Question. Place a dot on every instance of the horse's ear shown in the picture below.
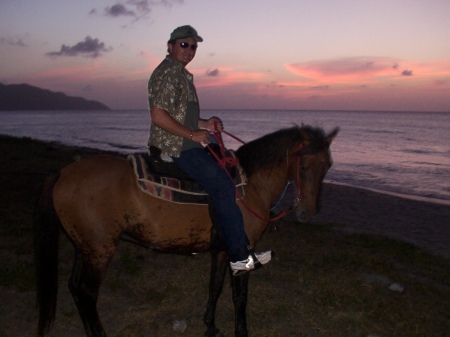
(332, 135)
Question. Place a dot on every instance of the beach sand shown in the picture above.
(356, 210)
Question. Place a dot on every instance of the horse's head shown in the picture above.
(300, 155)
(313, 159)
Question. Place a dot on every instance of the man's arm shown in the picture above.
(162, 119)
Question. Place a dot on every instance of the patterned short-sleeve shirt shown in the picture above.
(170, 88)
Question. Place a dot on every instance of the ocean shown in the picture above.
(404, 153)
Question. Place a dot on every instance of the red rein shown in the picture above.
(224, 161)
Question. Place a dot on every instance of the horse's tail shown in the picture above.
(46, 236)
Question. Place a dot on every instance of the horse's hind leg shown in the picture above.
(84, 285)
(219, 264)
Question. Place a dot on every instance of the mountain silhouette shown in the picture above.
(28, 97)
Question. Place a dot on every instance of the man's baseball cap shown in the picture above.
(184, 32)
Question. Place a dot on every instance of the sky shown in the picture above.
(390, 55)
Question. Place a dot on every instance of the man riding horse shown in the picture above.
(179, 134)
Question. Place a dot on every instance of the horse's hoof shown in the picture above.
(214, 333)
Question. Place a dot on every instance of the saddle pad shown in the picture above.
(184, 191)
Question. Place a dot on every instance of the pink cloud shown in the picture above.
(430, 70)
(351, 83)
(364, 70)
(345, 69)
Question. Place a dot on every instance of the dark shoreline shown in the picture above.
(357, 210)
(394, 194)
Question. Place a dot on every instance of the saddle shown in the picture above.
(167, 181)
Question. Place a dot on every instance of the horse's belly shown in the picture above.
(172, 227)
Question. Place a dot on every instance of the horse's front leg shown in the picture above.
(239, 286)
(219, 264)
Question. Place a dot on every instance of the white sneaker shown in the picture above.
(241, 267)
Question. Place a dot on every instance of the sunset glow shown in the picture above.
(281, 55)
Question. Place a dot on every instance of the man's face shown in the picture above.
(183, 50)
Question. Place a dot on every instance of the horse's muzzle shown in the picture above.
(304, 215)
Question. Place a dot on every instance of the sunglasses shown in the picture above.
(185, 45)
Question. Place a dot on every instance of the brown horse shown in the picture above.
(97, 199)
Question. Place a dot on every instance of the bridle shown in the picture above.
(296, 184)
(224, 161)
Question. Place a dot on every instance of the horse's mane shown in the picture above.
(269, 151)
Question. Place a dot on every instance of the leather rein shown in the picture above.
(234, 162)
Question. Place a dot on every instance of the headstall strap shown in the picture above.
(297, 180)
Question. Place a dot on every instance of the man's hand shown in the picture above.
(200, 136)
(214, 124)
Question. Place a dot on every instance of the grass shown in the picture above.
(334, 279)
(322, 282)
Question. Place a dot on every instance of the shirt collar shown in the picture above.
(179, 65)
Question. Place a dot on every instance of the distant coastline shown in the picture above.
(20, 97)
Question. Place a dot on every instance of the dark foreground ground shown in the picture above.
(368, 265)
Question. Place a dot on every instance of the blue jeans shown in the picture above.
(201, 167)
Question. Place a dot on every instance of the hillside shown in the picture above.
(27, 97)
